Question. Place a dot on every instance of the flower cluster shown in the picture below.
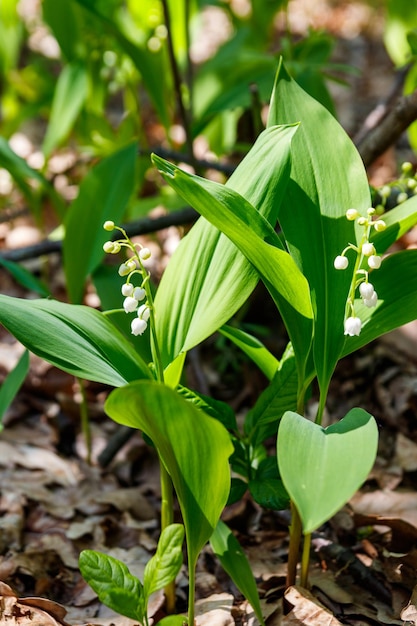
(366, 259)
(398, 190)
(131, 269)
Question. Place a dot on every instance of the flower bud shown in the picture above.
(379, 226)
(124, 270)
(370, 211)
(374, 262)
(368, 249)
(144, 312)
(144, 254)
(108, 225)
(138, 326)
(352, 214)
(130, 304)
(411, 183)
(372, 301)
(127, 289)
(366, 290)
(362, 221)
(341, 262)
(108, 247)
(139, 293)
(402, 197)
(385, 191)
(406, 167)
(353, 326)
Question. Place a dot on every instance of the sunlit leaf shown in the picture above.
(74, 338)
(322, 468)
(167, 560)
(197, 461)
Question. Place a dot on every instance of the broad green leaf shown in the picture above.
(234, 561)
(327, 179)
(262, 420)
(69, 97)
(253, 348)
(254, 236)
(208, 279)
(74, 338)
(401, 19)
(396, 285)
(197, 461)
(167, 560)
(269, 493)
(114, 585)
(322, 468)
(63, 19)
(24, 277)
(103, 195)
(12, 383)
(215, 408)
(399, 221)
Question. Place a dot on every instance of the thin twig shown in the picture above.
(143, 226)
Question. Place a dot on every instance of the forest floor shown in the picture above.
(53, 503)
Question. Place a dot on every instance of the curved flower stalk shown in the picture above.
(366, 260)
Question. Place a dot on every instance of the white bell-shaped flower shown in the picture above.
(366, 290)
(374, 262)
(130, 304)
(353, 326)
(372, 301)
(127, 289)
(138, 326)
(341, 262)
(144, 312)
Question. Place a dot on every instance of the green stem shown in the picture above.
(305, 560)
(85, 420)
(191, 592)
(167, 518)
(294, 548)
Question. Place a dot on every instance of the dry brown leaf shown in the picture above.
(409, 613)
(406, 453)
(307, 610)
(389, 504)
(216, 610)
(129, 499)
(29, 611)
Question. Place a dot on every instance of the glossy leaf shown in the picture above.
(197, 461)
(114, 585)
(253, 348)
(269, 493)
(74, 338)
(234, 561)
(69, 97)
(256, 239)
(322, 468)
(327, 179)
(103, 195)
(396, 285)
(215, 408)
(165, 564)
(262, 419)
(12, 383)
(208, 279)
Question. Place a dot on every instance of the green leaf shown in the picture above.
(113, 583)
(24, 277)
(103, 195)
(262, 419)
(74, 338)
(173, 620)
(197, 461)
(399, 221)
(215, 408)
(208, 279)
(256, 239)
(269, 493)
(313, 215)
(166, 562)
(63, 20)
(396, 285)
(12, 384)
(234, 562)
(322, 468)
(69, 97)
(253, 348)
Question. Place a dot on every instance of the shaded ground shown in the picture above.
(53, 504)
